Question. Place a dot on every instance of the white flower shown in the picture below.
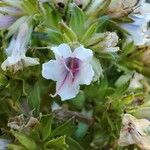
(110, 41)
(4, 143)
(16, 51)
(69, 70)
(134, 131)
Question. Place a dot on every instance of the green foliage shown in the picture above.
(91, 120)
(44, 137)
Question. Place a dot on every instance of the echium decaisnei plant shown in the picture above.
(74, 74)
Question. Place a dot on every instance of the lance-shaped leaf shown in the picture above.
(58, 143)
(25, 141)
(73, 145)
(77, 20)
(88, 34)
(45, 126)
(35, 98)
(68, 32)
(65, 129)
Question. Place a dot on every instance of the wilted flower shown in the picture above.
(17, 49)
(120, 8)
(135, 131)
(109, 44)
(21, 123)
(70, 69)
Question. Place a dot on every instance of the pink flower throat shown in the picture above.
(73, 65)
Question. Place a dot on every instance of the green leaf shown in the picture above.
(30, 7)
(68, 32)
(73, 145)
(45, 126)
(25, 141)
(128, 48)
(101, 10)
(67, 128)
(78, 101)
(15, 87)
(57, 144)
(123, 79)
(34, 97)
(102, 24)
(54, 36)
(120, 91)
(88, 34)
(3, 80)
(77, 20)
(51, 18)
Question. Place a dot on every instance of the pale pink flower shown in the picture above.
(69, 70)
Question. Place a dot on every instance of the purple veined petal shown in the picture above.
(83, 54)
(53, 70)
(85, 75)
(67, 89)
(66, 86)
(6, 21)
(62, 51)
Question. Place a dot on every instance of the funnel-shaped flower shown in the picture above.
(70, 69)
(16, 51)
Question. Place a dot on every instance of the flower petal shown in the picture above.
(53, 70)
(83, 54)
(62, 51)
(6, 21)
(66, 89)
(10, 47)
(85, 75)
